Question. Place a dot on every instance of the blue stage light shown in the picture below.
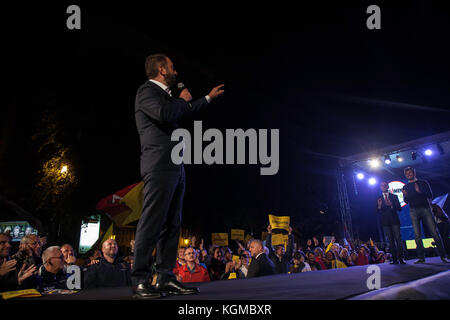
(360, 176)
(372, 181)
(428, 152)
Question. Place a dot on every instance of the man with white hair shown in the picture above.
(51, 274)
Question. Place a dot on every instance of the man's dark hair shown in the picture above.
(5, 234)
(409, 169)
(153, 62)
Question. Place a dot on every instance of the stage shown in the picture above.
(422, 281)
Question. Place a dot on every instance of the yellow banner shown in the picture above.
(237, 234)
(235, 258)
(232, 275)
(219, 239)
(279, 222)
(20, 293)
(279, 238)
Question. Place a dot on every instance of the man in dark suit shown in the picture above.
(157, 115)
(261, 265)
(387, 206)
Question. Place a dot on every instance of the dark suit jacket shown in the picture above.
(262, 266)
(157, 116)
(389, 216)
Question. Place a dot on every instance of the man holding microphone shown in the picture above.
(157, 115)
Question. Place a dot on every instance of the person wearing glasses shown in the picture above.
(51, 274)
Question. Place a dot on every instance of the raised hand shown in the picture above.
(25, 274)
(269, 228)
(216, 92)
(7, 267)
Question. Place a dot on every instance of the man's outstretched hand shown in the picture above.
(216, 92)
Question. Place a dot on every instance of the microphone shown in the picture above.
(181, 87)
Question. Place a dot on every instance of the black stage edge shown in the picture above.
(333, 284)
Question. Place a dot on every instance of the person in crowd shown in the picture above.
(203, 256)
(180, 257)
(332, 262)
(51, 274)
(216, 265)
(388, 258)
(354, 257)
(227, 254)
(243, 264)
(417, 193)
(29, 255)
(10, 279)
(69, 254)
(299, 263)
(380, 258)
(110, 271)
(363, 256)
(320, 257)
(345, 257)
(280, 258)
(388, 207)
(443, 225)
(311, 259)
(92, 257)
(191, 271)
(260, 265)
(309, 245)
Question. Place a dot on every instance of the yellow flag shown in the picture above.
(235, 258)
(108, 233)
(237, 234)
(219, 239)
(279, 222)
(232, 275)
(133, 200)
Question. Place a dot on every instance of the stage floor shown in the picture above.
(316, 285)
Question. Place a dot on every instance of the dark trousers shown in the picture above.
(159, 225)
(444, 232)
(425, 215)
(393, 234)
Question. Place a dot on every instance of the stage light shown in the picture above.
(387, 159)
(360, 176)
(428, 152)
(414, 155)
(399, 159)
(441, 150)
(372, 181)
(374, 163)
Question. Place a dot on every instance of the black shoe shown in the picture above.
(394, 262)
(143, 291)
(401, 261)
(172, 286)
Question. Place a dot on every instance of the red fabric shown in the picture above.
(362, 260)
(199, 275)
(322, 264)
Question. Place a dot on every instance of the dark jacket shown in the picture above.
(49, 281)
(157, 116)
(281, 265)
(105, 274)
(415, 199)
(23, 258)
(8, 282)
(261, 266)
(389, 215)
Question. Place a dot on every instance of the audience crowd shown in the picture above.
(45, 270)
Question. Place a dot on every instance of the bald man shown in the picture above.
(261, 264)
(110, 271)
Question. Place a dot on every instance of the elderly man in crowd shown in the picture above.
(110, 271)
(69, 254)
(51, 274)
(261, 265)
(29, 255)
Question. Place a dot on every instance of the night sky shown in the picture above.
(333, 87)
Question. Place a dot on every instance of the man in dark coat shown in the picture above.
(280, 258)
(261, 265)
(157, 115)
(387, 206)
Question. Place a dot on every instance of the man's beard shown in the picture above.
(170, 79)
